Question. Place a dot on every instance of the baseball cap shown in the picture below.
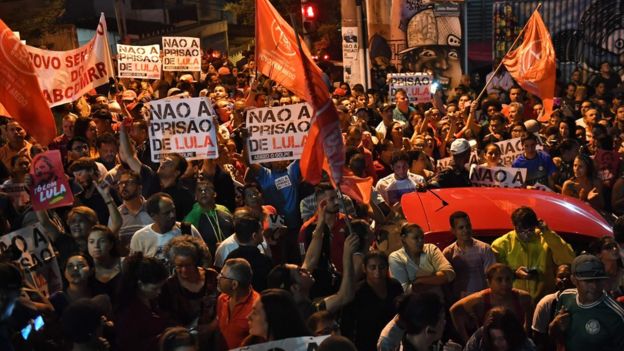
(128, 95)
(532, 126)
(588, 267)
(173, 91)
(459, 146)
(223, 71)
(188, 78)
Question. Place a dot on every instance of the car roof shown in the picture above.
(490, 212)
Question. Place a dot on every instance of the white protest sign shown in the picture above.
(499, 177)
(303, 343)
(181, 54)
(138, 61)
(184, 126)
(512, 148)
(278, 133)
(64, 76)
(35, 255)
(350, 55)
(417, 86)
(446, 162)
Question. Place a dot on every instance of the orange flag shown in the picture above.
(20, 92)
(532, 65)
(279, 56)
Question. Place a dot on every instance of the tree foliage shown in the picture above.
(33, 21)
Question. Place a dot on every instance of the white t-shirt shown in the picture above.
(152, 244)
(392, 189)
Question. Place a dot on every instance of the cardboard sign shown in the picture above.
(183, 126)
(64, 76)
(417, 86)
(50, 188)
(181, 54)
(138, 61)
(512, 148)
(36, 255)
(303, 343)
(499, 177)
(278, 133)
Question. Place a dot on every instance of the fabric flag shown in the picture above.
(279, 56)
(356, 188)
(20, 93)
(532, 65)
(64, 76)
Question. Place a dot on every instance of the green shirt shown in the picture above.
(594, 327)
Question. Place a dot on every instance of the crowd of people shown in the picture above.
(222, 253)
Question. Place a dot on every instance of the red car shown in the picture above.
(490, 213)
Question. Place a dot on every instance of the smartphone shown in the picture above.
(38, 323)
(26, 331)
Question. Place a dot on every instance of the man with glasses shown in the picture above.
(235, 302)
(533, 251)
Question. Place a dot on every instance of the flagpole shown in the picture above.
(500, 64)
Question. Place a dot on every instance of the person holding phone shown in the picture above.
(533, 251)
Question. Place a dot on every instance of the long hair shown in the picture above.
(112, 238)
(136, 267)
(503, 319)
(282, 315)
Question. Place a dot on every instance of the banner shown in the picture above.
(34, 253)
(303, 343)
(278, 133)
(499, 177)
(181, 54)
(350, 56)
(64, 76)
(20, 92)
(183, 126)
(417, 86)
(138, 61)
(512, 148)
(50, 188)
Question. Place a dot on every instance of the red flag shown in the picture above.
(533, 65)
(358, 189)
(20, 92)
(279, 56)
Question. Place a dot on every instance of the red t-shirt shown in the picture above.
(338, 232)
(235, 327)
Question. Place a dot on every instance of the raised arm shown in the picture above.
(346, 291)
(115, 217)
(126, 151)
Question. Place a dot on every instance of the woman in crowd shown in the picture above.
(85, 127)
(275, 317)
(419, 163)
(178, 339)
(501, 331)
(374, 303)
(422, 318)
(189, 297)
(468, 313)
(78, 274)
(138, 319)
(103, 246)
(491, 156)
(608, 250)
(585, 185)
(419, 266)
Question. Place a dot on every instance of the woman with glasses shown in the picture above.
(190, 295)
(373, 305)
(138, 319)
(608, 250)
(275, 317)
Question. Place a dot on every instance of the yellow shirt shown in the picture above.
(544, 252)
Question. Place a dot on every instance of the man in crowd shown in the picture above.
(401, 181)
(134, 215)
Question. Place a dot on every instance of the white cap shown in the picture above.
(459, 146)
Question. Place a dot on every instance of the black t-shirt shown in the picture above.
(182, 198)
(261, 264)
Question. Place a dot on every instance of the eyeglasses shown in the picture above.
(221, 276)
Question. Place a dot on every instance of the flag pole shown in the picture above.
(500, 64)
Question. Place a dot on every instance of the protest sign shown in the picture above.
(303, 343)
(33, 251)
(138, 61)
(417, 86)
(278, 133)
(183, 126)
(50, 188)
(512, 148)
(181, 54)
(499, 177)
(64, 76)
(446, 162)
